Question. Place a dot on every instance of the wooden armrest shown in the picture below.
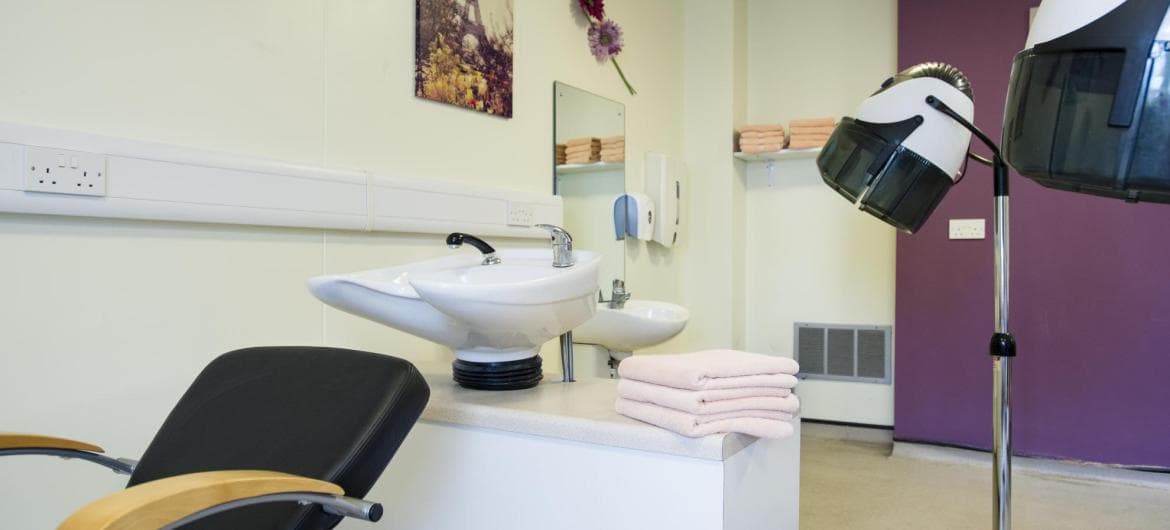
(15, 440)
(155, 504)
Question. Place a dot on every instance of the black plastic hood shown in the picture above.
(1089, 111)
(867, 164)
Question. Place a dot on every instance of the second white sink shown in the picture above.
(640, 324)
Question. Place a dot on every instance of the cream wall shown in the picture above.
(811, 257)
(104, 323)
(715, 31)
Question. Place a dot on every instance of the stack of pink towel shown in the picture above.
(708, 392)
(810, 133)
(761, 138)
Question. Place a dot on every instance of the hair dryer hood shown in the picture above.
(1088, 106)
(897, 157)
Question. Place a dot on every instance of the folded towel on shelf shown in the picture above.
(762, 146)
(812, 122)
(807, 144)
(813, 135)
(712, 369)
(765, 141)
(701, 402)
(760, 128)
(769, 141)
(694, 426)
(763, 149)
(605, 152)
(822, 129)
(762, 135)
(583, 147)
(573, 142)
(613, 139)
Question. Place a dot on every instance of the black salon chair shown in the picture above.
(265, 438)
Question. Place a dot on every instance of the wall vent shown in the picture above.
(843, 353)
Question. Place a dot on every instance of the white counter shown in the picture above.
(558, 456)
(581, 412)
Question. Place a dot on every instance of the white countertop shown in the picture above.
(581, 411)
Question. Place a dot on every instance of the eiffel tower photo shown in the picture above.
(463, 54)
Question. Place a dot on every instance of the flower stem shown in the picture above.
(623, 76)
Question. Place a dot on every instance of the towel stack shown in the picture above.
(708, 392)
(582, 150)
(560, 153)
(761, 138)
(811, 133)
(613, 149)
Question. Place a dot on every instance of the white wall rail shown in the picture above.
(152, 181)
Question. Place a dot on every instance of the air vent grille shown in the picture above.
(844, 353)
(811, 339)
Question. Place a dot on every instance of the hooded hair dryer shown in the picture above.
(1088, 108)
(897, 157)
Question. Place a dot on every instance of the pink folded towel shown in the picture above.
(712, 369)
(694, 425)
(761, 414)
(711, 401)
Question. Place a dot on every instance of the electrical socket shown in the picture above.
(520, 214)
(51, 170)
(968, 228)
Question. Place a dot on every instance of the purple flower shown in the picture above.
(605, 39)
(593, 8)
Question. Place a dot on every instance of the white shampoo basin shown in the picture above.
(483, 313)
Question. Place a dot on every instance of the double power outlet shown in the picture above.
(51, 170)
(520, 214)
(967, 229)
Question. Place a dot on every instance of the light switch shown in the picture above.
(968, 228)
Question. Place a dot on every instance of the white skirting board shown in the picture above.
(152, 181)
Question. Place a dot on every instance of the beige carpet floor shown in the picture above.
(859, 486)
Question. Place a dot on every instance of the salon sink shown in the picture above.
(483, 313)
(639, 324)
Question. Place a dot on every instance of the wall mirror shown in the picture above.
(586, 183)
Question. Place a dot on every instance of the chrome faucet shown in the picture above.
(457, 239)
(620, 295)
(562, 244)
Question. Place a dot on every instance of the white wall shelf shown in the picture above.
(150, 181)
(769, 159)
(783, 154)
(570, 169)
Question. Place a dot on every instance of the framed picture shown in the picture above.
(463, 54)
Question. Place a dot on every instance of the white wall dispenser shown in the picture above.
(665, 177)
(641, 216)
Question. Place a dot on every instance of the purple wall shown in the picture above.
(1090, 287)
